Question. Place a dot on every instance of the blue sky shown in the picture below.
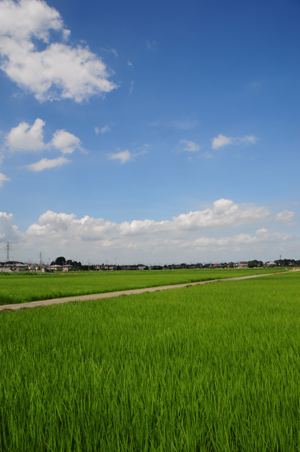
(145, 131)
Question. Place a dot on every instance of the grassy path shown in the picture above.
(97, 296)
(25, 288)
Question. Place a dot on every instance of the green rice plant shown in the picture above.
(206, 368)
(20, 288)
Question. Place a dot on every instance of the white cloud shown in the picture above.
(225, 213)
(222, 140)
(247, 139)
(190, 146)
(57, 72)
(104, 129)
(8, 230)
(129, 63)
(286, 217)
(261, 235)
(46, 164)
(28, 18)
(3, 178)
(197, 236)
(66, 142)
(26, 138)
(264, 235)
(124, 156)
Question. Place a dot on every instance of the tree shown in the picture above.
(60, 260)
(255, 263)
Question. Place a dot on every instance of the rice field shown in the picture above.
(212, 368)
(21, 288)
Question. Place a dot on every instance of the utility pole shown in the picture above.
(8, 248)
(41, 259)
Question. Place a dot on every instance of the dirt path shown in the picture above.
(99, 296)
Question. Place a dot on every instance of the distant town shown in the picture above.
(63, 265)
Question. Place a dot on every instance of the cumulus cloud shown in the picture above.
(123, 156)
(3, 178)
(286, 217)
(66, 142)
(8, 230)
(57, 72)
(46, 164)
(225, 213)
(261, 235)
(222, 140)
(190, 146)
(26, 138)
(208, 234)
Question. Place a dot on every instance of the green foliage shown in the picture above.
(211, 368)
(255, 263)
(20, 288)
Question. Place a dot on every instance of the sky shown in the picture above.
(142, 131)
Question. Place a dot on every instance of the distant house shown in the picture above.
(243, 264)
(270, 264)
(67, 268)
(56, 267)
(21, 267)
(5, 269)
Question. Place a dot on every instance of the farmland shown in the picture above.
(20, 288)
(208, 368)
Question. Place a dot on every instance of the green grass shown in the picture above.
(205, 368)
(18, 288)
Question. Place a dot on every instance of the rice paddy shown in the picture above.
(21, 288)
(213, 368)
